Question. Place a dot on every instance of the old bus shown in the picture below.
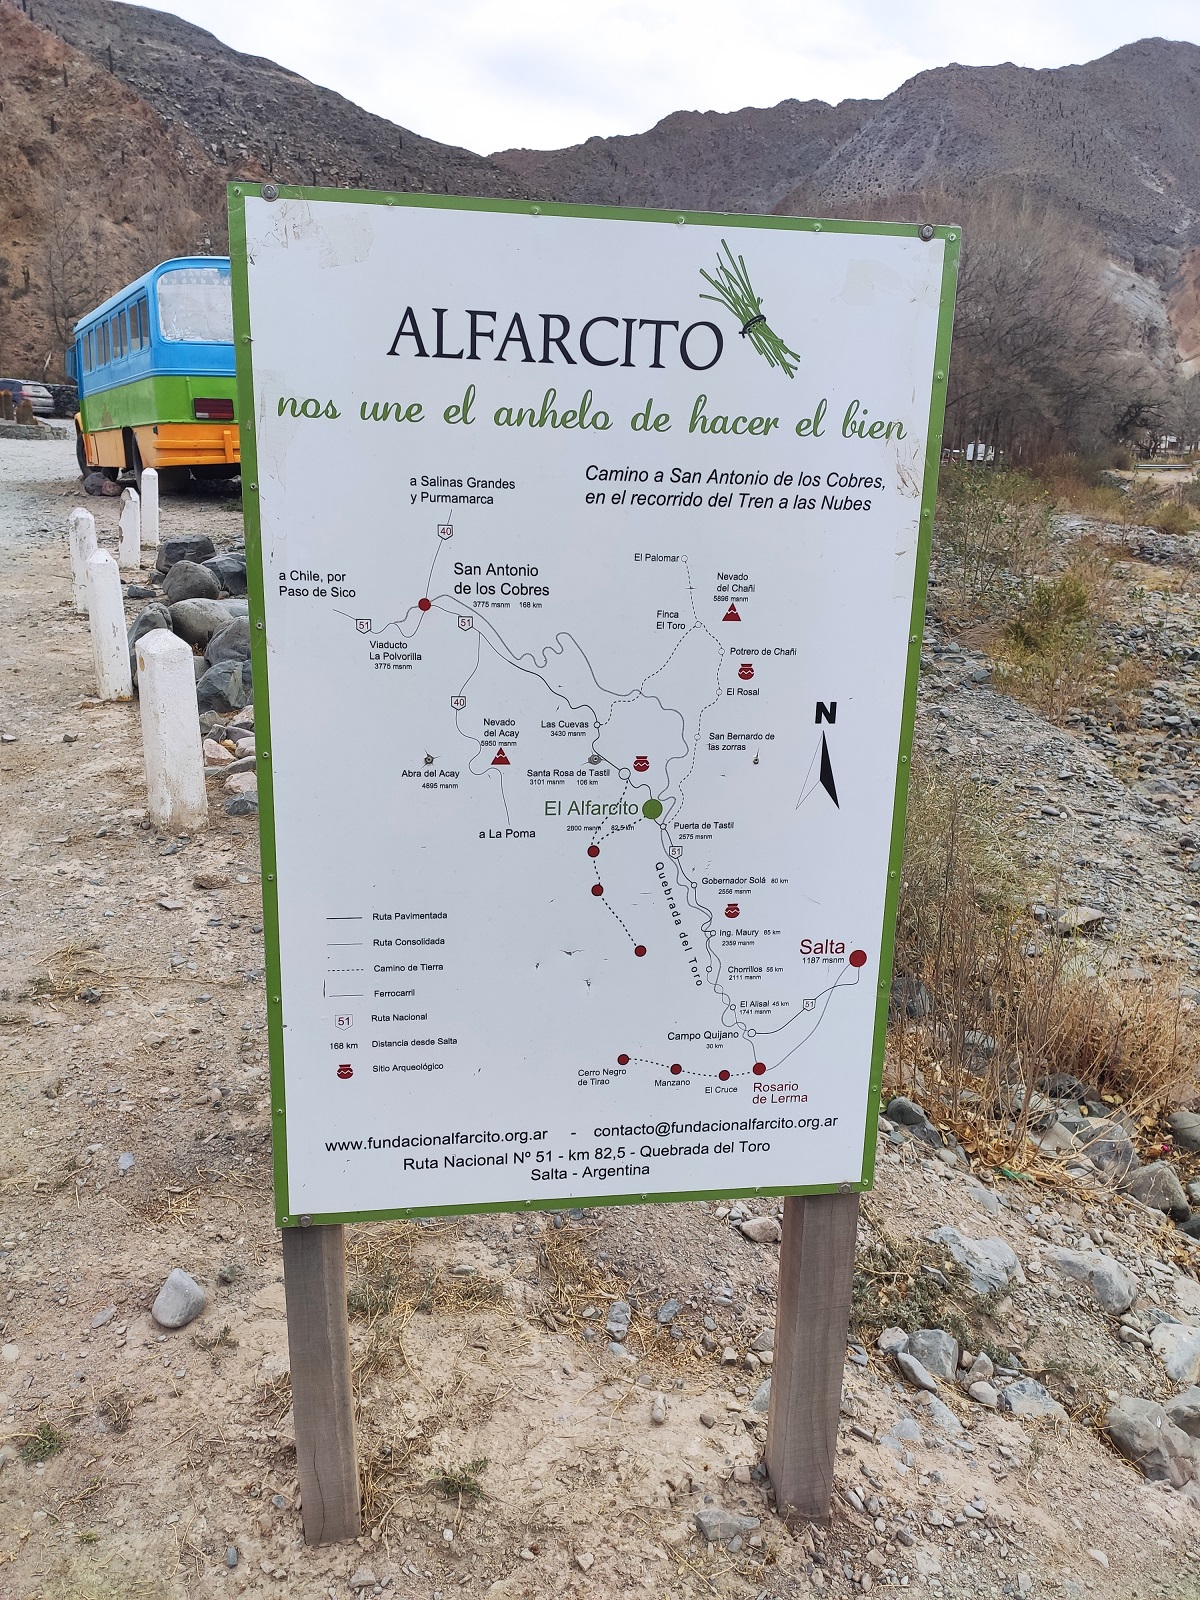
(154, 366)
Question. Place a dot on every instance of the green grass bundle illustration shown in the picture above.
(736, 293)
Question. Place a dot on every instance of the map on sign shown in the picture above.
(589, 640)
(645, 742)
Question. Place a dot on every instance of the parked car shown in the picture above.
(37, 394)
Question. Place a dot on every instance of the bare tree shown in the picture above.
(78, 268)
(1045, 357)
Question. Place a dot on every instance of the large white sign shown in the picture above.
(590, 556)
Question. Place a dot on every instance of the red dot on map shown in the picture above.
(723, 1075)
(759, 1068)
(858, 958)
(622, 1061)
(345, 1070)
(597, 888)
(639, 949)
(424, 605)
(593, 850)
(676, 1069)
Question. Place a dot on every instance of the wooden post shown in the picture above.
(314, 1281)
(816, 1275)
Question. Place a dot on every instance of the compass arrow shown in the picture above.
(826, 775)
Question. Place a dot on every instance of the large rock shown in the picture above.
(762, 1230)
(916, 1372)
(1030, 1400)
(1145, 1435)
(179, 1301)
(991, 1264)
(1108, 1147)
(231, 644)
(1177, 1346)
(224, 687)
(1114, 1288)
(229, 571)
(909, 1115)
(760, 1400)
(197, 620)
(188, 581)
(1158, 1186)
(1185, 1129)
(188, 547)
(719, 1526)
(1184, 1411)
(147, 620)
(937, 1350)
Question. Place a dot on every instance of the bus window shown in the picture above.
(123, 332)
(103, 356)
(135, 340)
(143, 311)
(195, 303)
(88, 362)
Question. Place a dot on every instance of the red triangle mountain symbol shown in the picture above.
(732, 615)
(500, 759)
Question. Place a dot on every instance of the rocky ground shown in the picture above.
(567, 1404)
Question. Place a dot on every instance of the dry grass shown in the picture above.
(1011, 1003)
(911, 1284)
(576, 1284)
(116, 1409)
(386, 1278)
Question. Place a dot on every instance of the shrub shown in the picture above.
(1171, 517)
(991, 527)
(1010, 1002)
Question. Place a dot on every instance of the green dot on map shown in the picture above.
(652, 809)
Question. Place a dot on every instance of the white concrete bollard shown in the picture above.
(110, 644)
(131, 529)
(81, 538)
(175, 790)
(149, 507)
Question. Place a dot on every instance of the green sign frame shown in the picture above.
(238, 194)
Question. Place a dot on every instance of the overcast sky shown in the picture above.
(490, 74)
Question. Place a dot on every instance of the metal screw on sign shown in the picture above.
(306, 1222)
(925, 231)
(270, 191)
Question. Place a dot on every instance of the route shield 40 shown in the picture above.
(587, 561)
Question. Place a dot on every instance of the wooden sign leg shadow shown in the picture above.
(314, 1279)
(816, 1277)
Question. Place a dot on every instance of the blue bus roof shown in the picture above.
(146, 281)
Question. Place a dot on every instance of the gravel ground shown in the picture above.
(130, 1029)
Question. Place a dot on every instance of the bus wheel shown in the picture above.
(81, 454)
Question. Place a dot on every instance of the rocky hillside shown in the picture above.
(1114, 140)
(122, 127)
(257, 118)
(95, 186)
(747, 160)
